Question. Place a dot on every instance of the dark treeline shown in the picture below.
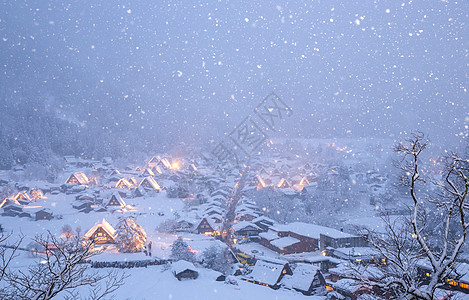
(32, 131)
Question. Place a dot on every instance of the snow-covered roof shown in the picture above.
(118, 197)
(347, 284)
(269, 235)
(215, 209)
(303, 276)
(263, 219)
(356, 252)
(150, 180)
(217, 198)
(123, 182)
(365, 272)
(311, 230)
(81, 177)
(105, 225)
(148, 172)
(245, 225)
(10, 202)
(284, 242)
(211, 222)
(182, 265)
(219, 192)
(266, 272)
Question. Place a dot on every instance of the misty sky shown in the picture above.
(187, 70)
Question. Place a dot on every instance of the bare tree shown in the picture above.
(67, 232)
(407, 246)
(7, 253)
(62, 269)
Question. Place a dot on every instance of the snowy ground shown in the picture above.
(155, 282)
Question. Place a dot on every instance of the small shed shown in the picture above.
(183, 269)
(44, 214)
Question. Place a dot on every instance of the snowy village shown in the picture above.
(234, 150)
(244, 230)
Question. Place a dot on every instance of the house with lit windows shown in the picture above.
(268, 272)
(78, 178)
(102, 233)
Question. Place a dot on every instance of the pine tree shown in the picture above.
(181, 251)
(130, 236)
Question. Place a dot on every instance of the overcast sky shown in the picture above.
(192, 70)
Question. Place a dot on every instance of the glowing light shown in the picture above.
(175, 165)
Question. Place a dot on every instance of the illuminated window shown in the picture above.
(428, 274)
(451, 282)
(464, 285)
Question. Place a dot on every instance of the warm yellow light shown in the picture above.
(235, 241)
(323, 253)
(175, 165)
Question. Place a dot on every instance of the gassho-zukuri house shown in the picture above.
(102, 233)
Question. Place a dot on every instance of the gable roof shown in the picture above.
(245, 225)
(115, 198)
(105, 226)
(283, 183)
(311, 230)
(10, 202)
(304, 275)
(268, 272)
(154, 160)
(80, 177)
(182, 265)
(123, 183)
(150, 182)
(22, 196)
(148, 172)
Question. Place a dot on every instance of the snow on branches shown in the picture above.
(130, 236)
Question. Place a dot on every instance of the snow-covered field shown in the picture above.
(155, 282)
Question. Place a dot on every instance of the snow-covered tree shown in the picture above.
(130, 236)
(168, 226)
(217, 258)
(407, 247)
(180, 250)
